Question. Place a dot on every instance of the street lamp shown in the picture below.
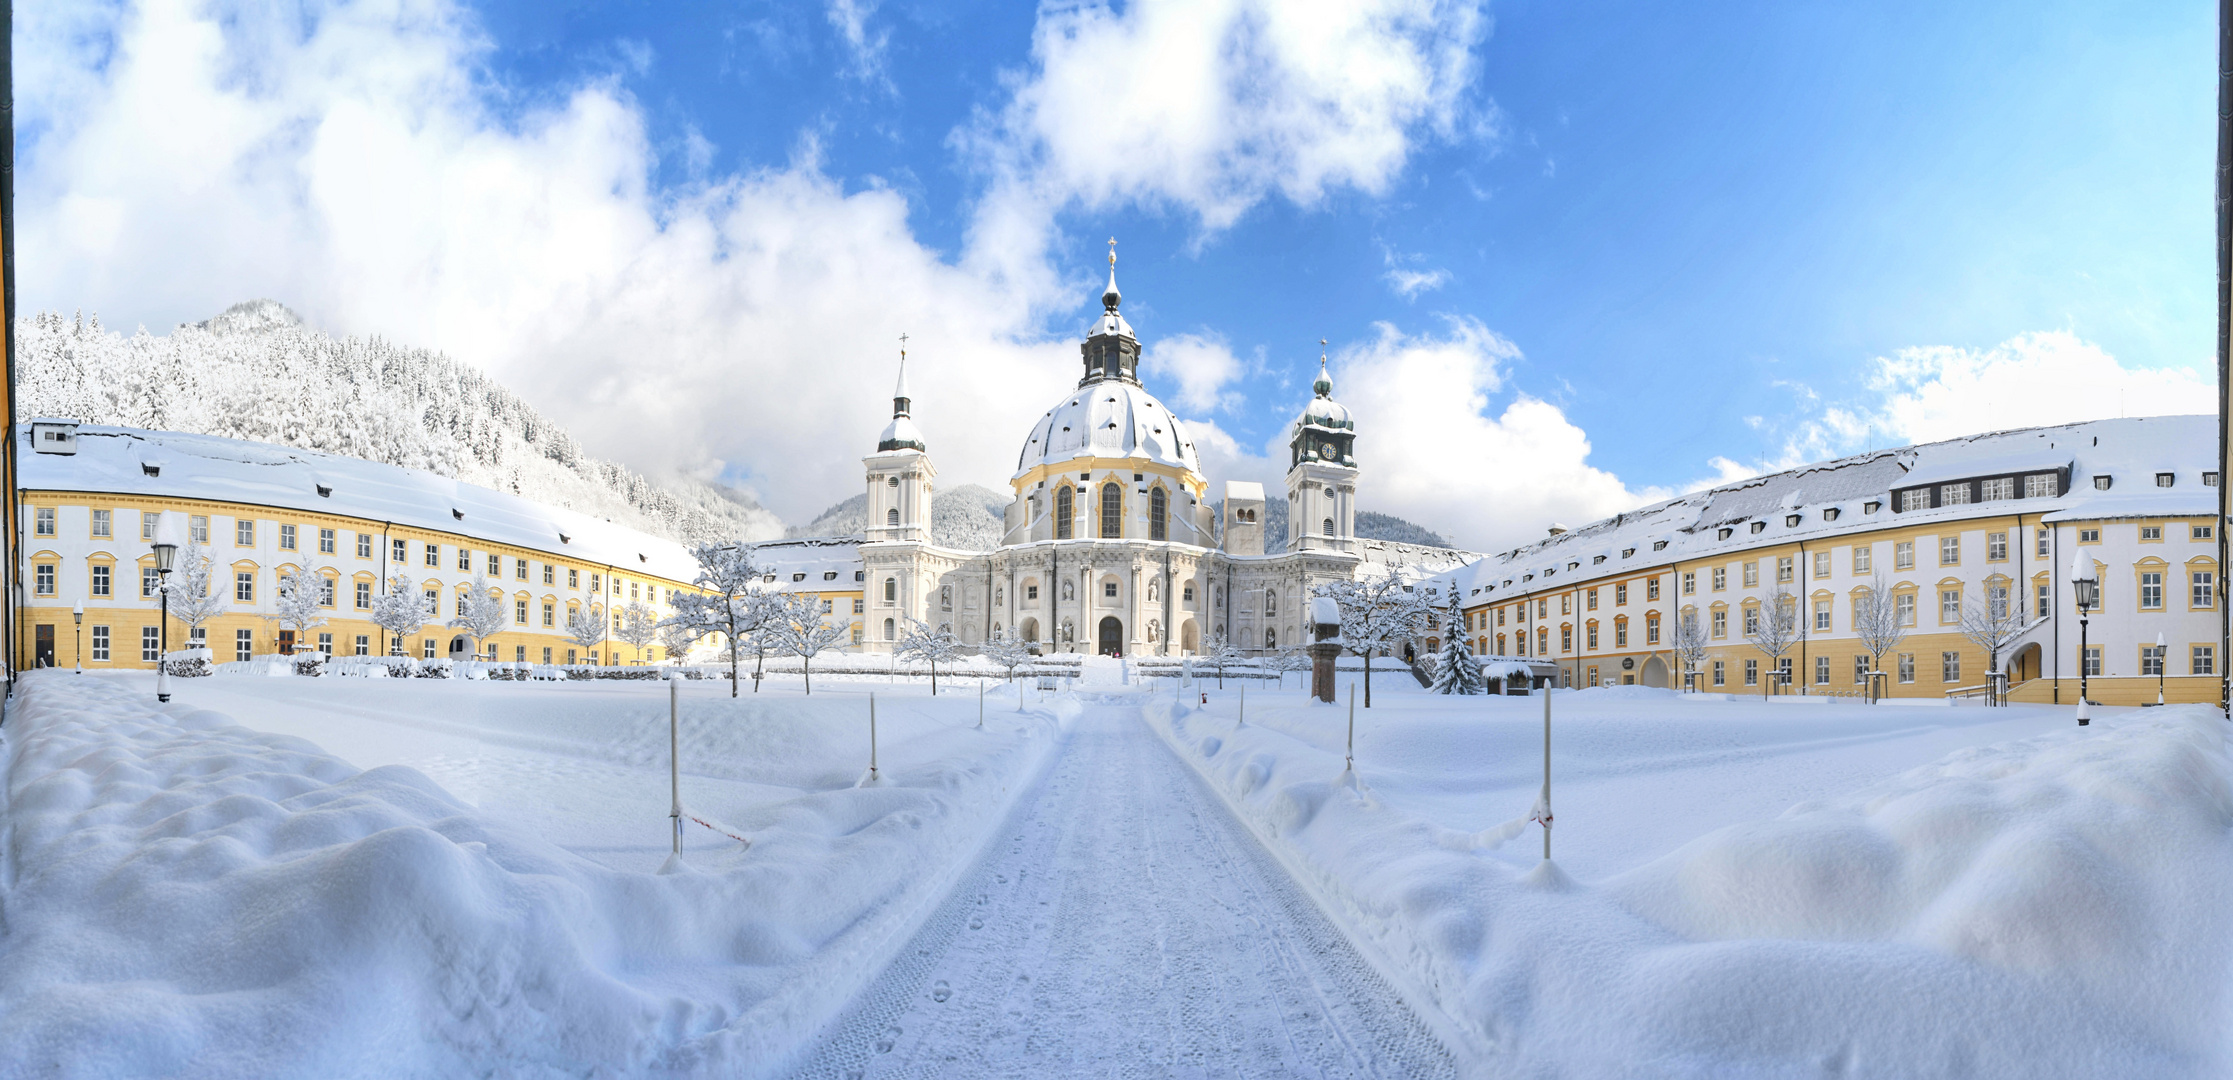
(77, 615)
(166, 550)
(2085, 589)
(2162, 661)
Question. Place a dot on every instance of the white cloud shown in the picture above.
(1201, 364)
(356, 162)
(865, 46)
(1943, 392)
(1209, 106)
(1433, 452)
(1410, 283)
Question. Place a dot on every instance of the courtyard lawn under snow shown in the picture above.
(1740, 888)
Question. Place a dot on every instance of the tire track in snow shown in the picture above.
(1125, 925)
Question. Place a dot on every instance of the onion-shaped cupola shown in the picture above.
(1110, 349)
(901, 433)
(1325, 432)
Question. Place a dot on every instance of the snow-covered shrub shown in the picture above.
(188, 663)
(311, 664)
(433, 669)
(370, 667)
(585, 671)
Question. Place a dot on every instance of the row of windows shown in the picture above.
(1112, 510)
(328, 542)
(2201, 660)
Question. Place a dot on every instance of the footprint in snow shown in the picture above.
(887, 1040)
(940, 992)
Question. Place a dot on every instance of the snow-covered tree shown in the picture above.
(585, 626)
(1008, 652)
(1994, 623)
(638, 626)
(302, 600)
(678, 639)
(722, 600)
(933, 647)
(1878, 621)
(485, 612)
(191, 600)
(1456, 671)
(1219, 652)
(1773, 629)
(1690, 643)
(1294, 658)
(400, 610)
(1376, 612)
(799, 628)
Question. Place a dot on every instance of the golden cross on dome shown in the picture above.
(903, 344)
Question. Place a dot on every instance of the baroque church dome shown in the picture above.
(1109, 414)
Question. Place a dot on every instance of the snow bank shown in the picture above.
(184, 897)
(2039, 908)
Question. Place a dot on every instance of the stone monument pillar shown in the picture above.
(1325, 620)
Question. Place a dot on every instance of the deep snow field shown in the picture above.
(345, 877)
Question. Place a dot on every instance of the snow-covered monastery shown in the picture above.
(1112, 543)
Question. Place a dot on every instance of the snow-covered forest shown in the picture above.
(256, 372)
(967, 516)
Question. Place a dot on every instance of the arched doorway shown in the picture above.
(1655, 673)
(1111, 636)
(1031, 631)
(1189, 639)
(457, 646)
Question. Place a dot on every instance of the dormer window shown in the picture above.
(2164, 479)
(1830, 514)
(1626, 552)
(325, 491)
(1790, 521)
(1759, 526)
(2102, 482)
(1723, 533)
(1596, 560)
(798, 577)
(1659, 545)
(1871, 506)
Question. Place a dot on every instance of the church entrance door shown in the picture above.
(1112, 636)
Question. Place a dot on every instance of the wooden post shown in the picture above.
(1349, 756)
(872, 738)
(1546, 774)
(674, 757)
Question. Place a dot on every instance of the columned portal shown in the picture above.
(1112, 636)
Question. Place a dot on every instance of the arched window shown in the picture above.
(891, 516)
(1112, 511)
(1158, 506)
(1326, 526)
(890, 629)
(891, 590)
(1063, 512)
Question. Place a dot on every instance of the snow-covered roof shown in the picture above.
(1834, 497)
(1244, 491)
(811, 564)
(1109, 418)
(156, 464)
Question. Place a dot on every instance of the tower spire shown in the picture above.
(901, 399)
(1110, 297)
(1324, 387)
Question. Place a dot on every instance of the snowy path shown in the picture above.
(1125, 925)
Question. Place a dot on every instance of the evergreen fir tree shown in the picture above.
(1456, 671)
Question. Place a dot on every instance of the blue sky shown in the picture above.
(1612, 250)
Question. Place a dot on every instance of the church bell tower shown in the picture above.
(899, 473)
(1322, 472)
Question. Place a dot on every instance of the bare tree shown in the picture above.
(933, 647)
(639, 626)
(191, 600)
(1690, 643)
(484, 612)
(1878, 622)
(723, 599)
(586, 627)
(801, 631)
(1374, 613)
(1774, 630)
(399, 611)
(1008, 652)
(302, 600)
(1994, 624)
(678, 639)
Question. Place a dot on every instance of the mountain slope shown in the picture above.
(256, 372)
(968, 517)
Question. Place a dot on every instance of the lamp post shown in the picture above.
(77, 615)
(2162, 661)
(2083, 587)
(165, 551)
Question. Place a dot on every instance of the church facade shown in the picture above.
(1113, 543)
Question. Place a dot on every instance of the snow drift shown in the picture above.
(2038, 908)
(184, 897)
